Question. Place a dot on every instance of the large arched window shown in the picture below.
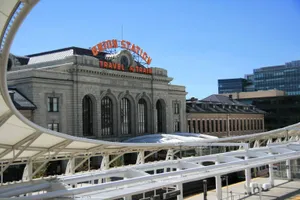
(125, 116)
(159, 109)
(87, 116)
(142, 116)
(106, 116)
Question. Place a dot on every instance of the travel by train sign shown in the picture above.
(109, 44)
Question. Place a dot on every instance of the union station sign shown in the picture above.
(123, 61)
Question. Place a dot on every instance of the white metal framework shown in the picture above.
(22, 141)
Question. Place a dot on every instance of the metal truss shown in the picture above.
(147, 177)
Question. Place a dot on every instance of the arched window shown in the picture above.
(87, 116)
(142, 116)
(125, 116)
(106, 116)
(159, 109)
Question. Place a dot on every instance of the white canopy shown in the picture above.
(21, 140)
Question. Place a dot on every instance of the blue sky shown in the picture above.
(197, 41)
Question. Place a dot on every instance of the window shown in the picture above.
(87, 116)
(203, 126)
(142, 116)
(54, 126)
(177, 126)
(217, 125)
(194, 126)
(199, 126)
(189, 126)
(176, 108)
(212, 125)
(125, 116)
(207, 126)
(52, 104)
(221, 126)
(106, 116)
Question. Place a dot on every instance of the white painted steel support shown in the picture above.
(218, 187)
(218, 183)
(179, 187)
(170, 154)
(27, 173)
(248, 178)
(140, 158)
(288, 170)
(70, 166)
(271, 175)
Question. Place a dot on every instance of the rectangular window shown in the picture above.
(177, 126)
(203, 126)
(225, 125)
(212, 126)
(176, 108)
(233, 125)
(189, 126)
(230, 127)
(217, 125)
(207, 126)
(54, 127)
(238, 125)
(221, 126)
(199, 126)
(52, 104)
(194, 126)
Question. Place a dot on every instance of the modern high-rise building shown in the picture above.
(232, 85)
(281, 77)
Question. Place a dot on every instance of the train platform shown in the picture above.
(283, 190)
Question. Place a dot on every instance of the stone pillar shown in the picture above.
(271, 175)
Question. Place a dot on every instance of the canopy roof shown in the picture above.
(21, 139)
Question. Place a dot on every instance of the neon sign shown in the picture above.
(109, 44)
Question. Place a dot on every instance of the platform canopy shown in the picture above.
(21, 139)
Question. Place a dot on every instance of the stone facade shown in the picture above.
(72, 78)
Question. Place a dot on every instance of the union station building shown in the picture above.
(99, 94)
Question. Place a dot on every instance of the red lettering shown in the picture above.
(105, 64)
(128, 44)
(94, 51)
(114, 43)
(149, 60)
(114, 65)
(100, 48)
(149, 70)
(133, 48)
(122, 66)
(119, 67)
(110, 66)
(144, 56)
(109, 44)
(131, 69)
(101, 63)
(104, 44)
(145, 70)
(141, 69)
(123, 44)
(136, 68)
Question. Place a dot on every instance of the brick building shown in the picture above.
(222, 116)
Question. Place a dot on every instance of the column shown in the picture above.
(288, 170)
(248, 178)
(179, 187)
(263, 125)
(218, 185)
(271, 175)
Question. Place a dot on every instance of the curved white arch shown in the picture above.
(21, 139)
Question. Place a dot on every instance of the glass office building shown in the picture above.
(283, 77)
(232, 85)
